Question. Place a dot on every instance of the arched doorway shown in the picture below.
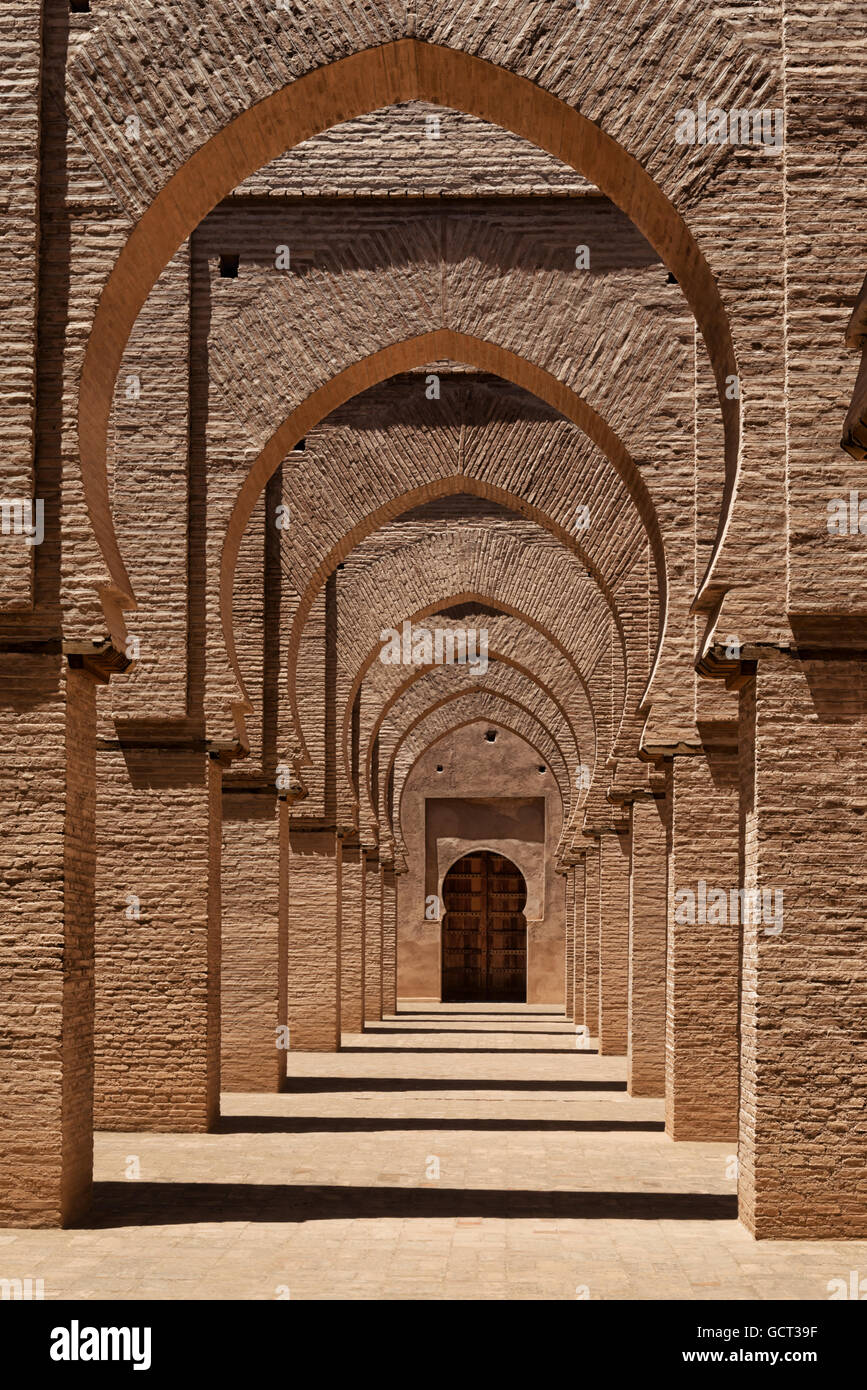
(484, 931)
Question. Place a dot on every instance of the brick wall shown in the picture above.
(314, 940)
(591, 936)
(352, 904)
(804, 986)
(703, 955)
(613, 943)
(47, 854)
(157, 939)
(253, 954)
(648, 910)
(373, 1007)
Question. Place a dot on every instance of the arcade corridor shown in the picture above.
(433, 651)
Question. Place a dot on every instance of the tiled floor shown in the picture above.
(460, 1152)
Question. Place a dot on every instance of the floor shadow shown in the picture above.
(472, 1051)
(472, 1032)
(476, 1017)
(340, 1124)
(184, 1203)
(313, 1085)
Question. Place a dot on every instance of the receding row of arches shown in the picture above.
(550, 470)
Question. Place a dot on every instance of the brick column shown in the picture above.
(159, 813)
(372, 940)
(613, 943)
(648, 912)
(253, 943)
(576, 875)
(47, 853)
(313, 965)
(21, 34)
(701, 1043)
(591, 937)
(389, 939)
(570, 943)
(803, 1143)
(352, 938)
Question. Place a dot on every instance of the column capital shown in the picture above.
(101, 659)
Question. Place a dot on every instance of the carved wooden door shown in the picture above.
(484, 931)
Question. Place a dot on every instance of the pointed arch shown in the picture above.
(404, 70)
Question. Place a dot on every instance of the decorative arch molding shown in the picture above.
(380, 366)
(580, 800)
(429, 552)
(516, 857)
(559, 676)
(402, 70)
(470, 597)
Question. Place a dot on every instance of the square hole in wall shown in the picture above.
(229, 267)
(79, 6)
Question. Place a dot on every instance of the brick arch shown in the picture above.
(403, 69)
(435, 690)
(495, 656)
(628, 369)
(498, 708)
(510, 640)
(556, 674)
(482, 846)
(387, 363)
(381, 366)
(583, 717)
(456, 714)
(377, 588)
(497, 570)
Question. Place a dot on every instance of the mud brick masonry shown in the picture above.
(322, 322)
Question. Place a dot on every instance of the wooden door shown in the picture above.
(484, 932)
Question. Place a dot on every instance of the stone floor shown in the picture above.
(459, 1152)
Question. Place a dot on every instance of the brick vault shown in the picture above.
(430, 564)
